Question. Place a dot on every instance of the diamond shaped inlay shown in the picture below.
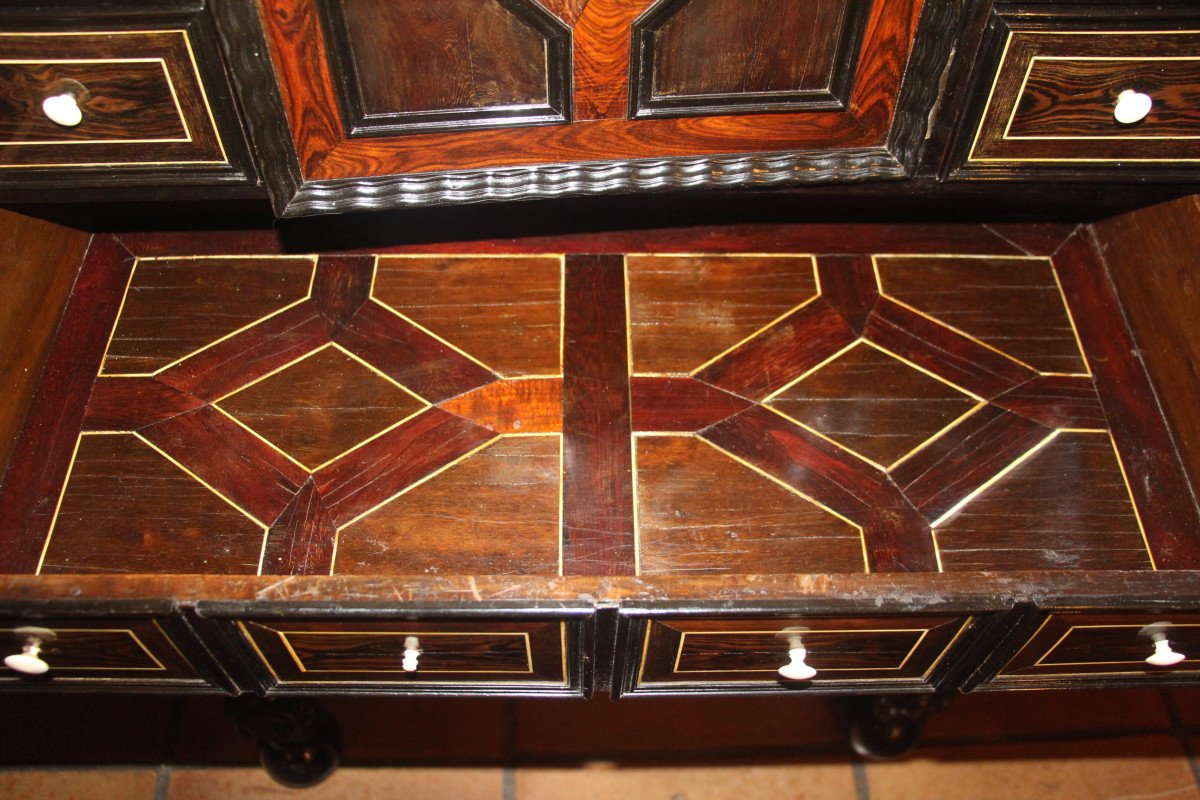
(873, 403)
(322, 405)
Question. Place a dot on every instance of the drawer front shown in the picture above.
(100, 650)
(1055, 96)
(304, 652)
(1083, 644)
(139, 95)
(725, 653)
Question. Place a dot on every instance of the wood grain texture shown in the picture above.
(370, 652)
(126, 404)
(1023, 521)
(341, 285)
(686, 310)
(1067, 104)
(1147, 450)
(1162, 305)
(301, 540)
(126, 509)
(389, 464)
(1076, 98)
(1056, 401)
(410, 356)
(848, 285)
(38, 265)
(721, 47)
(699, 511)
(494, 513)
(42, 453)
(528, 405)
(321, 406)
(409, 56)
(873, 403)
(175, 307)
(601, 39)
(598, 525)
(107, 648)
(680, 404)
(142, 100)
(782, 353)
(504, 312)
(1012, 305)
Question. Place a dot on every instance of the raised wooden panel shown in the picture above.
(701, 512)
(721, 654)
(422, 65)
(321, 406)
(126, 508)
(685, 311)
(872, 403)
(1065, 504)
(505, 313)
(1012, 305)
(721, 56)
(495, 512)
(101, 651)
(347, 652)
(140, 94)
(173, 308)
(1083, 645)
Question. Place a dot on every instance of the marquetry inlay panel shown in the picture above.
(505, 414)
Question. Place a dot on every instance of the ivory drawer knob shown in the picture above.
(29, 660)
(796, 669)
(1163, 655)
(412, 652)
(1132, 107)
(63, 109)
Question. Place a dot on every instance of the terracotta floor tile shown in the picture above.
(603, 781)
(345, 784)
(1138, 768)
(1001, 715)
(662, 726)
(79, 784)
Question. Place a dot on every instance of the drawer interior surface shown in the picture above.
(793, 400)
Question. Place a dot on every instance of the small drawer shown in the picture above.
(1074, 645)
(403, 653)
(122, 98)
(729, 654)
(1091, 99)
(101, 651)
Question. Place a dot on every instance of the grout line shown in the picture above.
(509, 791)
(163, 782)
(1180, 731)
(862, 789)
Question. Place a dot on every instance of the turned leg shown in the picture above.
(298, 741)
(887, 726)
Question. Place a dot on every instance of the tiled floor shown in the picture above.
(1116, 745)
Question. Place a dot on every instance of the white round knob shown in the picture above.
(1132, 107)
(796, 669)
(412, 652)
(28, 661)
(1163, 655)
(62, 109)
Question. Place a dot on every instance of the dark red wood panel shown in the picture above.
(598, 529)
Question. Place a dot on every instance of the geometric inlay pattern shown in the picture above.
(685, 311)
(322, 405)
(494, 512)
(1013, 305)
(1064, 505)
(202, 300)
(504, 313)
(701, 512)
(873, 404)
(120, 511)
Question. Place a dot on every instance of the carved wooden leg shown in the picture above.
(887, 726)
(299, 742)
